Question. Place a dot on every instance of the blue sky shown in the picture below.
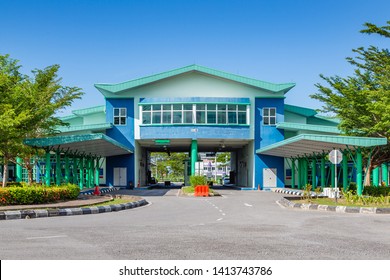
(109, 41)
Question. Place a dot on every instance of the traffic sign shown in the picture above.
(335, 156)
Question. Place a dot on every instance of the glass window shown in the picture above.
(211, 106)
(167, 107)
(232, 107)
(156, 118)
(177, 106)
(269, 116)
(156, 107)
(242, 118)
(232, 117)
(187, 107)
(120, 116)
(167, 117)
(146, 117)
(221, 107)
(187, 117)
(211, 117)
(200, 117)
(200, 106)
(221, 117)
(177, 117)
(146, 108)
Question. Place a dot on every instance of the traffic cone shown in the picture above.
(97, 191)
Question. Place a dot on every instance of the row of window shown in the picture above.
(195, 114)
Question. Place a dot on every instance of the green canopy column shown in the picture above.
(345, 171)
(333, 169)
(67, 170)
(359, 171)
(97, 173)
(58, 168)
(293, 173)
(91, 172)
(87, 173)
(385, 174)
(375, 176)
(323, 173)
(313, 174)
(194, 155)
(74, 170)
(19, 169)
(47, 169)
(305, 172)
(299, 173)
(81, 166)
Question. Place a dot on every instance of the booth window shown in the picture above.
(120, 116)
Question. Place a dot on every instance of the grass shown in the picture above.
(340, 202)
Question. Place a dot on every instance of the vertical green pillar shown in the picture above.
(323, 173)
(91, 172)
(306, 172)
(81, 182)
(313, 174)
(194, 155)
(385, 174)
(87, 173)
(58, 168)
(332, 182)
(359, 171)
(97, 174)
(67, 169)
(345, 171)
(74, 170)
(293, 173)
(299, 173)
(375, 176)
(47, 169)
(19, 170)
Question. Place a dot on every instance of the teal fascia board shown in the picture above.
(309, 144)
(82, 143)
(91, 110)
(116, 88)
(89, 127)
(307, 112)
(309, 127)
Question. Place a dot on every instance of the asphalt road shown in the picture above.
(238, 225)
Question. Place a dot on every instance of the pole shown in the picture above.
(335, 176)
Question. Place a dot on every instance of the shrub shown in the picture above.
(197, 181)
(37, 194)
(376, 191)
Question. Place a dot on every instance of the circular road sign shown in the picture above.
(335, 156)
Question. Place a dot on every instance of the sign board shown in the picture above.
(335, 156)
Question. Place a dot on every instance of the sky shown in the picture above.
(111, 41)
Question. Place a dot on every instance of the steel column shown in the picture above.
(359, 171)
(19, 169)
(58, 168)
(313, 174)
(194, 155)
(385, 174)
(345, 171)
(323, 173)
(293, 173)
(67, 169)
(375, 176)
(81, 182)
(47, 169)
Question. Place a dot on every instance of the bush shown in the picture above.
(352, 187)
(37, 194)
(197, 181)
(376, 191)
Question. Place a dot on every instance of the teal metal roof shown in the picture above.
(308, 144)
(307, 112)
(89, 127)
(91, 110)
(308, 127)
(116, 88)
(95, 144)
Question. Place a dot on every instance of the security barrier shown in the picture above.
(201, 190)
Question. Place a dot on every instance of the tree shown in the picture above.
(362, 101)
(28, 109)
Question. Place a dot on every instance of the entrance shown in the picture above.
(269, 177)
(120, 176)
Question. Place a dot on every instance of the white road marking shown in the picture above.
(220, 219)
(47, 237)
(223, 214)
(249, 205)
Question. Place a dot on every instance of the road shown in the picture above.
(238, 225)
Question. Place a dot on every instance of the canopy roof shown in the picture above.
(89, 144)
(119, 87)
(309, 144)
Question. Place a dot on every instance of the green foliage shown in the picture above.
(307, 192)
(37, 194)
(376, 191)
(169, 166)
(362, 101)
(197, 181)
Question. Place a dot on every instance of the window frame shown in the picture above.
(269, 117)
(119, 116)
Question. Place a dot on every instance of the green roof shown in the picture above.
(116, 88)
(90, 110)
(92, 127)
(95, 144)
(307, 112)
(309, 144)
(309, 127)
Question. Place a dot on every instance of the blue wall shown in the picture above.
(195, 131)
(123, 134)
(266, 135)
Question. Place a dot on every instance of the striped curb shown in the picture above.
(30, 214)
(339, 209)
(102, 190)
(300, 193)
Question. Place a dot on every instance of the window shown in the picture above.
(269, 116)
(213, 114)
(120, 116)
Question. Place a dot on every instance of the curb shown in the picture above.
(102, 190)
(31, 214)
(298, 192)
(339, 209)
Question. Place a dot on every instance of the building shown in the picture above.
(197, 109)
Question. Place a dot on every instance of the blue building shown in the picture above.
(197, 109)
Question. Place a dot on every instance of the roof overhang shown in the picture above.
(89, 144)
(309, 144)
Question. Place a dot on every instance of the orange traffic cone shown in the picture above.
(97, 191)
